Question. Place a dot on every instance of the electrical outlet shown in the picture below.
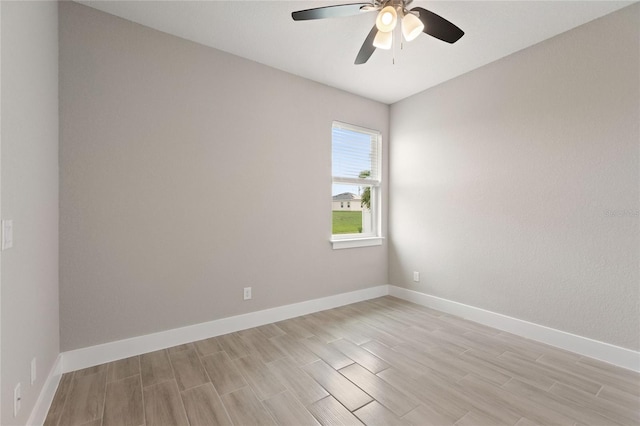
(33, 370)
(17, 397)
(7, 234)
(416, 276)
(247, 293)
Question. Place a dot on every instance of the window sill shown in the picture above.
(356, 242)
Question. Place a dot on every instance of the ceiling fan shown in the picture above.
(413, 22)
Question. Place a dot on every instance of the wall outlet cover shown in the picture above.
(7, 234)
(17, 397)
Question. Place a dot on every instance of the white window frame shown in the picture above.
(374, 238)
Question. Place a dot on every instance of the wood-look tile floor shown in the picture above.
(379, 362)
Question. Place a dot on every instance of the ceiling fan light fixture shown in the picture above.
(383, 40)
(412, 26)
(380, 36)
(387, 19)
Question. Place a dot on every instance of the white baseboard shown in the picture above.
(43, 403)
(606, 352)
(113, 351)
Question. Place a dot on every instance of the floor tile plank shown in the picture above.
(525, 422)
(478, 419)
(394, 358)
(295, 349)
(86, 398)
(123, 368)
(327, 353)
(338, 326)
(155, 368)
(245, 409)
(424, 415)
(188, 370)
(553, 373)
(286, 410)
(259, 345)
(335, 383)
(398, 402)
(575, 412)
(223, 373)
(319, 328)
(469, 340)
(163, 405)
(270, 331)
(263, 382)
(180, 348)
(102, 368)
(294, 329)
(59, 399)
(123, 404)
(449, 407)
(299, 383)
(479, 402)
(233, 345)
(532, 375)
(608, 409)
(614, 373)
(204, 407)
(432, 340)
(511, 402)
(375, 414)
(207, 346)
(428, 359)
(597, 371)
(375, 334)
(360, 356)
(329, 412)
(446, 359)
(622, 398)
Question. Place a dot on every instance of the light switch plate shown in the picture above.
(33, 370)
(7, 234)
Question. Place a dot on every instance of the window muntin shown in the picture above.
(356, 177)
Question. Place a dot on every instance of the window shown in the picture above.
(356, 177)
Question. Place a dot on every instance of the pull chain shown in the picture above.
(396, 36)
(393, 50)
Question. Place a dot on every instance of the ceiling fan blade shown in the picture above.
(329, 11)
(438, 27)
(367, 48)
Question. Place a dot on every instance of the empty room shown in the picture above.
(319, 212)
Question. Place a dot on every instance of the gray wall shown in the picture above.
(188, 174)
(29, 135)
(502, 179)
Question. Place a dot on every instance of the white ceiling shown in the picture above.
(324, 50)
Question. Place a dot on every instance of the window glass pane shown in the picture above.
(346, 210)
(354, 154)
(351, 211)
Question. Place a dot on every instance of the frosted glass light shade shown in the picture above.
(387, 19)
(383, 40)
(412, 26)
